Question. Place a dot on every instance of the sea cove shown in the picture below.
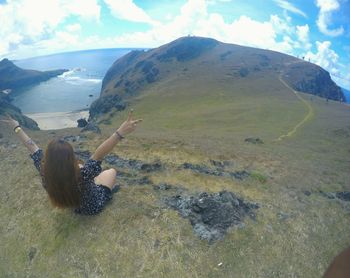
(72, 91)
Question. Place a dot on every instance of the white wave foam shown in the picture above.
(65, 74)
(75, 80)
(72, 71)
(79, 80)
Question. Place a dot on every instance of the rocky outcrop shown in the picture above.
(15, 112)
(212, 214)
(219, 171)
(312, 79)
(91, 126)
(104, 104)
(13, 77)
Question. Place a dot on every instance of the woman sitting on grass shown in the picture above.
(69, 184)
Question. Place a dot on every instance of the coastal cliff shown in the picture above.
(15, 112)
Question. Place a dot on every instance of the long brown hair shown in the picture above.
(62, 174)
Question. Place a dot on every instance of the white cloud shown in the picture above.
(277, 33)
(324, 17)
(128, 10)
(194, 19)
(290, 7)
(281, 25)
(325, 57)
(73, 27)
(302, 32)
(35, 20)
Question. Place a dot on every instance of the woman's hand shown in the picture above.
(29, 143)
(10, 121)
(107, 146)
(129, 125)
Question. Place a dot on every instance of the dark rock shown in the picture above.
(31, 254)
(202, 169)
(147, 167)
(115, 189)
(218, 172)
(123, 174)
(344, 195)
(341, 195)
(91, 95)
(307, 192)
(156, 243)
(144, 180)
(240, 175)
(212, 214)
(105, 104)
(220, 164)
(254, 140)
(82, 122)
(166, 189)
(92, 127)
(1, 136)
(329, 195)
(162, 186)
(133, 164)
(283, 216)
(243, 72)
(73, 138)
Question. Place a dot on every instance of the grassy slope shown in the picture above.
(189, 122)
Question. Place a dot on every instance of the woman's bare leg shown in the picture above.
(107, 178)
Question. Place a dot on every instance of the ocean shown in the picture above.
(74, 90)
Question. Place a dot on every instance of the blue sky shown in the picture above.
(318, 30)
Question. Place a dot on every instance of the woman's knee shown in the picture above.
(112, 173)
(107, 177)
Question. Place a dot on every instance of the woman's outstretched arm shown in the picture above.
(106, 147)
(29, 143)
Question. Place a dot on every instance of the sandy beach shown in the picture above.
(58, 120)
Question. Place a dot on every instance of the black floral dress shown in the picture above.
(93, 197)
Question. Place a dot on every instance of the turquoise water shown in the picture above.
(73, 90)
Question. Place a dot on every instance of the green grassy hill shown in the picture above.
(193, 114)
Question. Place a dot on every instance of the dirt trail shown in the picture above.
(308, 116)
